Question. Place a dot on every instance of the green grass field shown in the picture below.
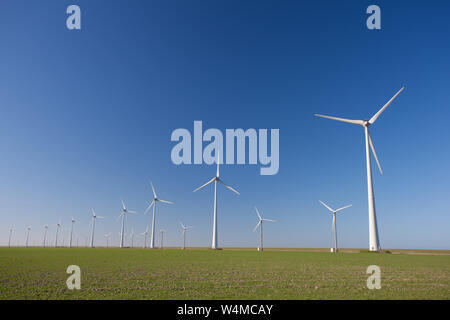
(37, 273)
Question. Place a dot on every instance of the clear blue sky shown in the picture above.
(86, 117)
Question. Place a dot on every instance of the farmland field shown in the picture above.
(37, 273)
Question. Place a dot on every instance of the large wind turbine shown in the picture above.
(260, 224)
(184, 234)
(58, 225)
(28, 233)
(374, 241)
(153, 203)
(215, 180)
(145, 233)
(334, 222)
(94, 217)
(45, 235)
(72, 221)
(122, 214)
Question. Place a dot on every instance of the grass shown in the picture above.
(36, 273)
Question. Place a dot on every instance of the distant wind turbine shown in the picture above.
(72, 221)
(10, 235)
(122, 214)
(132, 237)
(107, 239)
(94, 217)
(215, 180)
(374, 242)
(45, 235)
(28, 233)
(334, 221)
(184, 234)
(153, 203)
(260, 224)
(145, 233)
(162, 237)
(58, 225)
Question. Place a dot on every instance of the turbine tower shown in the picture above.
(122, 214)
(58, 225)
(374, 241)
(184, 234)
(94, 217)
(215, 180)
(71, 231)
(45, 235)
(260, 224)
(28, 233)
(153, 203)
(334, 222)
(145, 233)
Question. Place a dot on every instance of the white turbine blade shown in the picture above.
(360, 122)
(375, 154)
(237, 192)
(326, 206)
(269, 220)
(376, 115)
(100, 217)
(343, 208)
(131, 211)
(165, 201)
(210, 181)
(123, 204)
(149, 207)
(257, 212)
(182, 225)
(120, 215)
(153, 189)
(256, 227)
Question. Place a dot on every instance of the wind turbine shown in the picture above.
(72, 221)
(132, 237)
(334, 221)
(374, 241)
(94, 217)
(162, 237)
(10, 235)
(215, 180)
(45, 235)
(58, 225)
(28, 233)
(184, 234)
(107, 239)
(145, 237)
(260, 224)
(122, 214)
(153, 203)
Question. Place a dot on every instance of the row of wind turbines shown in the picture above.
(374, 243)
